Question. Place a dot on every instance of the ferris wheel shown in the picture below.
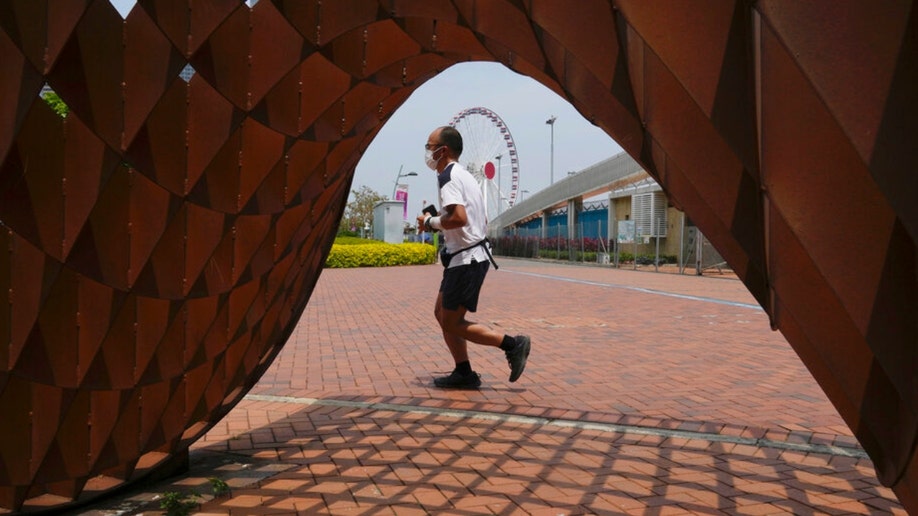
(486, 140)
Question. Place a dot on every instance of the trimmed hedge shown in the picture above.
(346, 253)
(356, 240)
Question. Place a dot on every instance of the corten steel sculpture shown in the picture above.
(158, 244)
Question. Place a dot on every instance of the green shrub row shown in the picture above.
(349, 252)
(379, 254)
(355, 240)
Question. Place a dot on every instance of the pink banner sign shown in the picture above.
(401, 194)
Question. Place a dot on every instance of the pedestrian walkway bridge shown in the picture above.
(608, 175)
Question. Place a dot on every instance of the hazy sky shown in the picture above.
(522, 103)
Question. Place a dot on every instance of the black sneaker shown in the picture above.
(517, 357)
(457, 380)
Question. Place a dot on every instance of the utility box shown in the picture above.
(389, 221)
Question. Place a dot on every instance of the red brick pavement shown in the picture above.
(346, 421)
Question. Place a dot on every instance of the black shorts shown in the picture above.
(462, 284)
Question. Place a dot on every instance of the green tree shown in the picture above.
(359, 211)
(58, 105)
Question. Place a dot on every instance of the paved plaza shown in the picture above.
(645, 393)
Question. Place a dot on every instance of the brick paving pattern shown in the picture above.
(645, 394)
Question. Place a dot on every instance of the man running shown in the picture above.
(466, 259)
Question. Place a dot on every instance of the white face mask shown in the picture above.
(430, 160)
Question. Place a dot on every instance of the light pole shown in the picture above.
(498, 157)
(399, 176)
(551, 122)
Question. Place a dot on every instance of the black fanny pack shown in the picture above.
(445, 257)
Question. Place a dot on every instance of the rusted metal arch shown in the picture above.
(158, 245)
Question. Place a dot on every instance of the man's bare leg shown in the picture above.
(457, 345)
(453, 323)
(457, 331)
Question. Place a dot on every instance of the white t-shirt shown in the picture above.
(457, 186)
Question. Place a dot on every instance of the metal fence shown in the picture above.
(590, 243)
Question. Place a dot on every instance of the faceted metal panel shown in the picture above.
(158, 244)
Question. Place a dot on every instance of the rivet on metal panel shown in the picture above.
(186, 187)
(130, 230)
(233, 255)
(134, 331)
(63, 216)
(404, 75)
(363, 69)
(123, 142)
(433, 37)
(299, 103)
(319, 23)
(9, 292)
(31, 432)
(286, 177)
(78, 321)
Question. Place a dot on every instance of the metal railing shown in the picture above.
(696, 253)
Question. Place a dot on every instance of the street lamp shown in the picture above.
(551, 122)
(399, 176)
(521, 194)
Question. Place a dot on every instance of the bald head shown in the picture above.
(450, 137)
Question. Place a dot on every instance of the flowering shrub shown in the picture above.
(356, 240)
(370, 253)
